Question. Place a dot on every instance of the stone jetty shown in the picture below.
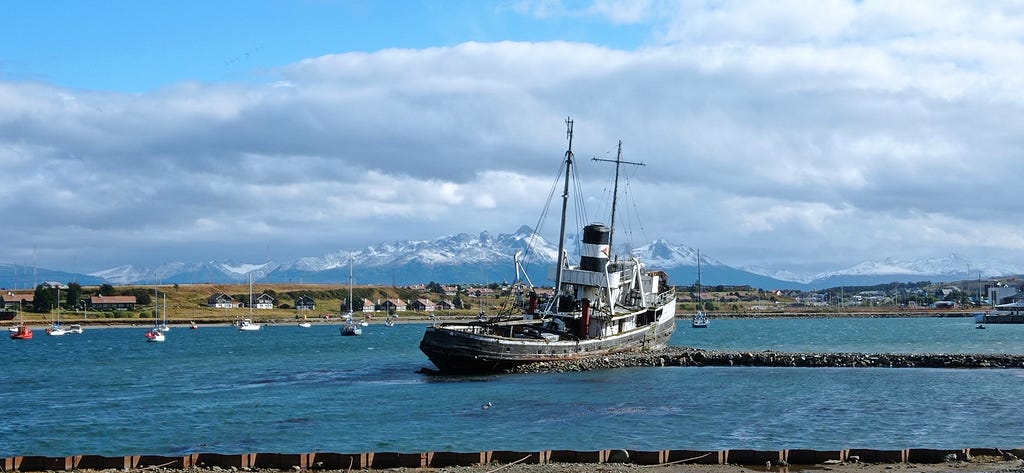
(688, 356)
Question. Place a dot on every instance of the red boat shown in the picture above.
(23, 333)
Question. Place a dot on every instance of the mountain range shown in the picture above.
(485, 258)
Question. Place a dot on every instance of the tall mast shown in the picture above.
(615, 191)
(565, 206)
(350, 282)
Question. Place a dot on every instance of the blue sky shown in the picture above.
(793, 136)
(136, 46)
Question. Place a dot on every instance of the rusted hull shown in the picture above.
(458, 351)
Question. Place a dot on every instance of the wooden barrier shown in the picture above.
(754, 457)
(382, 460)
(573, 456)
(931, 455)
(813, 457)
(509, 456)
(446, 459)
(388, 460)
(697, 457)
(645, 457)
(867, 455)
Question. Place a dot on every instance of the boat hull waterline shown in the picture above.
(455, 348)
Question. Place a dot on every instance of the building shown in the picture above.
(391, 305)
(305, 302)
(112, 302)
(264, 301)
(10, 300)
(368, 305)
(221, 301)
(422, 305)
(444, 305)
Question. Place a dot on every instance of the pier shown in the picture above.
(688, 356)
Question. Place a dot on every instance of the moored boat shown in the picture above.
(155, 335)
(351, 327)
(22, 332)
(600, 306)
(76, 328)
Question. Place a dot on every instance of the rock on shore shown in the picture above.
(688, 356)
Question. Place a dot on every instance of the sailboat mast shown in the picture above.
(565, 207)
(351, 281)
(615, 190)
(700, 300)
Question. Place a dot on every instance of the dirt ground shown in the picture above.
(1015, 466)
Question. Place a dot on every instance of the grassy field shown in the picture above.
(187, 302)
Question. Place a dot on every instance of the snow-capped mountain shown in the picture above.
(178, 272)
(944, 268)
(486, 258)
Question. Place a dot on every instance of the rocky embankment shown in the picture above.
(687, 356)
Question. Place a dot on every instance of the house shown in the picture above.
(445, 305)
(368, 305)
(422, 305)
(264, 301)
(112, 302)
(220, 301)
(391, 305)
(53, 284)
(10, 300)
(305, 303)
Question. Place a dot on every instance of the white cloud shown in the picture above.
(822, 132)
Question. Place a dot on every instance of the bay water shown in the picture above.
(293, 389)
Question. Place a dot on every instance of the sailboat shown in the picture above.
(57, 329)
(155, 334)
(163, 327)
(247, 325)
(350, 327)
(700, 319)
(602, 306)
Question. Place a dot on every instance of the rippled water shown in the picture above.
(291, 389)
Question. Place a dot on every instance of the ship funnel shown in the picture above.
(595, 247)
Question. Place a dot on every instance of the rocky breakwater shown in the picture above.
(688, 356)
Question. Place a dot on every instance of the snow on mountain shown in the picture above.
(949, 265)
(662, 254)
(485, 257)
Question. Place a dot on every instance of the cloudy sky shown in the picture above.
(800, 135)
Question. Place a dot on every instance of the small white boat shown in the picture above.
(247, 325)
(56, 330)
(75, 328)
(305, 324)
(389, 322)
(14, 328)
(192, 326)
(155, 335)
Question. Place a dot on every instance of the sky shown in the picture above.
(800, 136)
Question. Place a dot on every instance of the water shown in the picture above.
(292, 389)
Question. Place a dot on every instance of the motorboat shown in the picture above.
(21, 332)
(75, 328)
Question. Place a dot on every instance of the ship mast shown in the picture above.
(615, 190)
(565, 206)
